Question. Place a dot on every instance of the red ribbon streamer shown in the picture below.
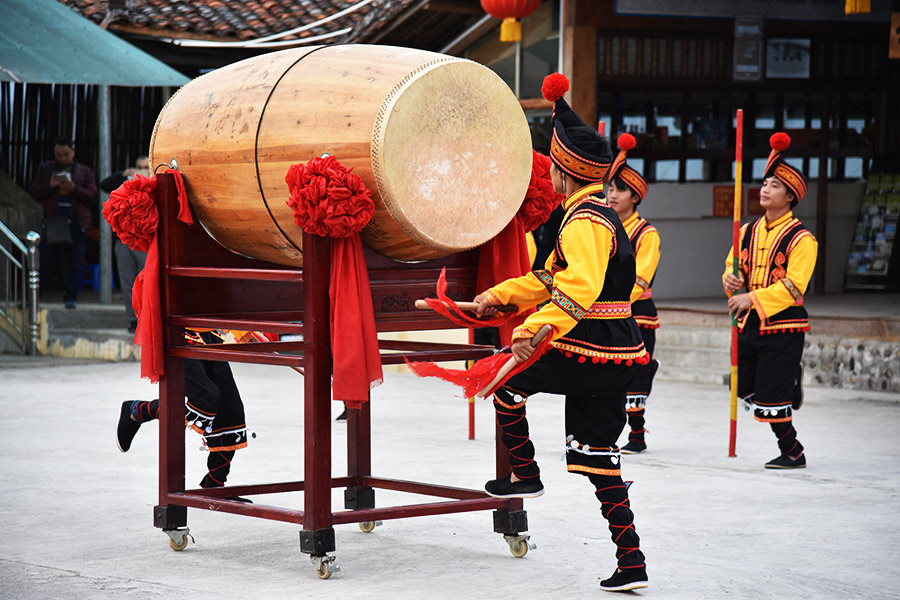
(145, 297)
(481, 373)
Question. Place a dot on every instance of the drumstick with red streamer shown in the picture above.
(511, 363)
(486, 374)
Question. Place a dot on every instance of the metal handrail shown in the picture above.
(21, 275)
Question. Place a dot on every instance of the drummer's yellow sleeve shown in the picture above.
(646, 261)
(776, 297)
(525, 291)
(586, 247)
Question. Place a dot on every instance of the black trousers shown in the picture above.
(214, 409)
(768, 369)
(594, 419)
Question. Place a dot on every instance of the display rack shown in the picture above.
(204, 285)
(870, 262)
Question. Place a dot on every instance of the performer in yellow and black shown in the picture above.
(626, 190)
(212, 407)
(596, 343)
(777, 258)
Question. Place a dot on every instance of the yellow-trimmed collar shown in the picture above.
(630, 220)
(581, 194)
(780, 220)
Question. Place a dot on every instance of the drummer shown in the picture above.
(596, 344)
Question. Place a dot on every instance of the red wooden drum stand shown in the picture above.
(205, 285)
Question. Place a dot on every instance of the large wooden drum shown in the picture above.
(441, 143)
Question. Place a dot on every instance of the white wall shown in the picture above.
(695, 244)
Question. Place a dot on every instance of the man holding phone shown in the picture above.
(66, 190)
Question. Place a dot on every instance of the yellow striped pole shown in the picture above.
(735, 265)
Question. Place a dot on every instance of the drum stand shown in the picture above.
(204, 285)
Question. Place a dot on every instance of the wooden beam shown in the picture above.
(398, 21)
(580, 58)
(468, 7)
(471, 35)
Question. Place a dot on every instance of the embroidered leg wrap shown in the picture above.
(143, 411)
(636, 422)
(787, 438)
(219, 464)
(510, 409)
(613, 496)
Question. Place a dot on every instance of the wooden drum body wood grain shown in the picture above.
(441, 143)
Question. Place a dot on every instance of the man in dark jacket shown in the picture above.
(66, 190)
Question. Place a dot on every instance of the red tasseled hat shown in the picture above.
(567, 157)
(620, 168)
(776, 166)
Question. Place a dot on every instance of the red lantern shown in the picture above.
(511, 11)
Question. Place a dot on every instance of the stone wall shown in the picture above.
(852, 363)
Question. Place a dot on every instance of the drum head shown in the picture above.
(451, 154)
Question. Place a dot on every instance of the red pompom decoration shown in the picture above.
(540, 199)
(626, 142)
(131, 212)
(554, 87)
(780, 141)
(327, 199)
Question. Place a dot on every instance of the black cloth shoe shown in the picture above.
(624, 580)
(343, 415)
(797, 400)
(786, 462)
(127, 427)
(633, 447)
(524, 488)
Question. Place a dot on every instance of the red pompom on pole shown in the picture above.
(626, 142)
(554, 87)
(780, 141)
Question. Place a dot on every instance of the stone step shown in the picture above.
(673, 373)
(92, 318)
(693, 356)
(704, 337)
(93, 344)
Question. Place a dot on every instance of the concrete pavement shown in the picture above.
(77, 515)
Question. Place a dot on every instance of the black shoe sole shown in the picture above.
(534, 494)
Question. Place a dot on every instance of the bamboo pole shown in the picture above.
(735, 266)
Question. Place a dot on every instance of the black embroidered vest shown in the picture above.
(606, 331)
(793, 318)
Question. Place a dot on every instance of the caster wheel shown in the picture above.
(178, 547)
(367, 526)
(520, 549)
(323, 570)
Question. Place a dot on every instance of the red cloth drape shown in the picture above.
(145, 297)
(328, 200)
(354, 340)
(131, 212)
(501, 258)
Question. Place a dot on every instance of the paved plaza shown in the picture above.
(77, 515)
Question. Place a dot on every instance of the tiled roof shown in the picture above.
(233, 20)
